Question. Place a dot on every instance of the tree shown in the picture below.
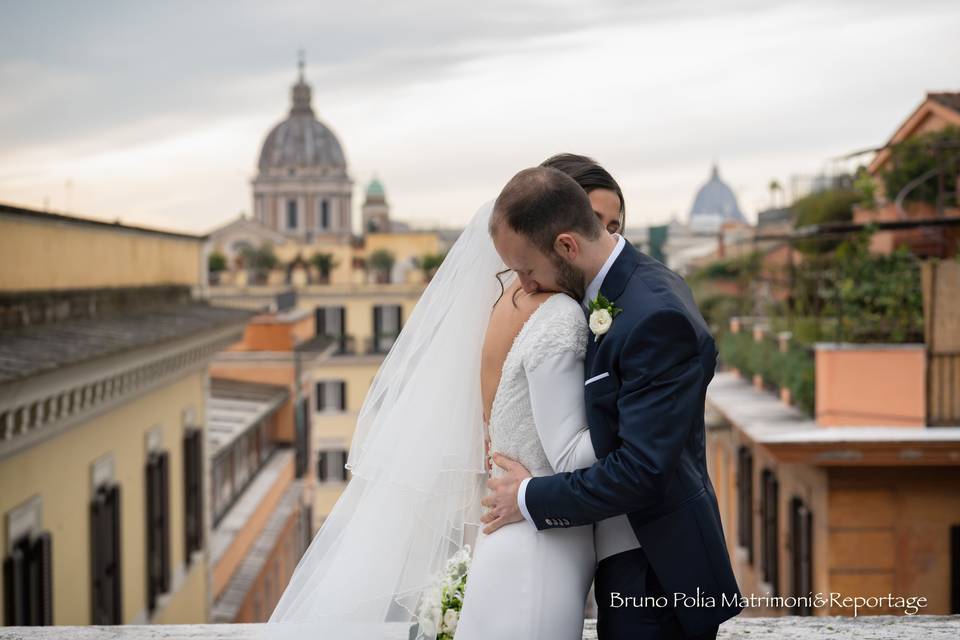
(919, 155)
(325, 263)
(429, 264)
(823, 207)
(774, 187)
(260, 260)
(216, 261)
(381, 261)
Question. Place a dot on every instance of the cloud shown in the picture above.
(156, 111)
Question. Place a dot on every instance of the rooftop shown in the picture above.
(32, 350)
(951, 100)
(63, 218)
(764, 419)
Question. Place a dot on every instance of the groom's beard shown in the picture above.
(569, 278)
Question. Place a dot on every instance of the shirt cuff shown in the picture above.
(521, 495)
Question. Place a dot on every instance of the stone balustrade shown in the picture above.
(781, 628)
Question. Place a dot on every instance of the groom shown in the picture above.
(663, 568)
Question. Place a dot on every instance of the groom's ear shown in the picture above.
(567, 246)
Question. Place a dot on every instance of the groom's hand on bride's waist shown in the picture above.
(502, 502)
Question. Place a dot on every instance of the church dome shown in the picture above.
(715, 199)
(375, 189)
(301, 141)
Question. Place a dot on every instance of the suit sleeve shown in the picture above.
(661, 378)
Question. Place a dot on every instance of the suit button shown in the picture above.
(566, 522)
(549, 522)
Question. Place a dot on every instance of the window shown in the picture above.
(306, 529)
(331, 396)
(106, 589)
(769, 547)
(302, 427)
(745, 500)
(386, 326)
(324, 213)
(801, 554)
(955, 569)
(158, 526)
(331, 321)
(330, 466)
(27, 569)
(293, 218)
(193, 491)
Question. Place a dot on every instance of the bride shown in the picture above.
(479, 358)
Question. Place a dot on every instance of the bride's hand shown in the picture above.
(486, 454)
(503, 505)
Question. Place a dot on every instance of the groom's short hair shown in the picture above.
(541, 203)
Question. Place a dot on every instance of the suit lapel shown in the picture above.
(611, 288)
(620, 271)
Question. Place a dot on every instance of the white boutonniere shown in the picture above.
(602, 313)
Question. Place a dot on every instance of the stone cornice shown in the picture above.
(44, 406)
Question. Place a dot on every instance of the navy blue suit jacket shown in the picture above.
(646, 423)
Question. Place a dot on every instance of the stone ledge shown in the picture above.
(781, 628)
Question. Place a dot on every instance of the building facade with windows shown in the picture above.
(104, 347)
(355, 327)
(263, 462)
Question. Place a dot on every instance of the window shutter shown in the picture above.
(42, 569)
(198, 488)
(955, 569)
(343, 395)
(151, 504)
(192, 479)
(322, 466)
(114, 573)
(342, 312)
(319, 315)
(321, 396)
(769, 539)
(14, 579)
(164, 471)
(107, 593)
(343, 467)
(377, 323)
(800, 551)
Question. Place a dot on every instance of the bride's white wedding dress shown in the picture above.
(525, 583)
(418, 474)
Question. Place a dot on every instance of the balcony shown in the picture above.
(347, 345)
(782, 628)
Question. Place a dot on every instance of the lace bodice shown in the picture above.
(557, 326)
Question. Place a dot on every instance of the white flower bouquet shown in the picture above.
(439, 610)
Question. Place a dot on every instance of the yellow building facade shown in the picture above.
(104, 350)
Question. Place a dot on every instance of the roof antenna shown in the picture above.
(301, 61)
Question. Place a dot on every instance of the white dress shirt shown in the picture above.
(614, 534)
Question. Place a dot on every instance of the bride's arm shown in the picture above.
(556, 397)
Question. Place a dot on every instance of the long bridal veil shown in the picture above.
(417, 463)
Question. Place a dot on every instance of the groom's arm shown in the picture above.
(659, 397)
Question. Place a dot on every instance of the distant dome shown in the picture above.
(375, 188)
(716, 200)
(301, 141)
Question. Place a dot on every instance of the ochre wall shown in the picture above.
(38, 254)
(890, 532)
(59, 470)
(871, 385)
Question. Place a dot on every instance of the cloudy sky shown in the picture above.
(154, 113)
